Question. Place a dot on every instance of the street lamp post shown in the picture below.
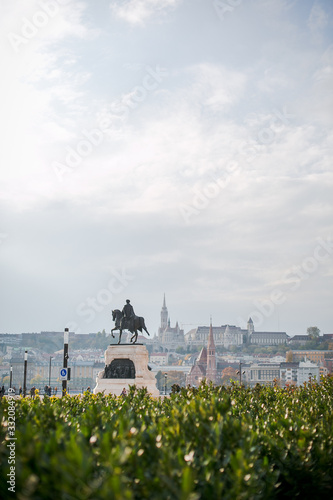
(11, 376)
(66, 337)
(50, 371)
(240, 373)
(25, 373)
(165, 383)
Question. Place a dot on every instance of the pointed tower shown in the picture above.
(164, 316)
(250, 326)
(250, 330)
(211, 372)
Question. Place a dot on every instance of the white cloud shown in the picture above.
(33, 85)
(216, 87)
(318, 20)
(139, 11)
(217, 107)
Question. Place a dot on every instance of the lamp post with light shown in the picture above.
(239, 372)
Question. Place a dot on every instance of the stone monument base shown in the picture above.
(125, 365)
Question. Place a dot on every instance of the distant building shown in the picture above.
(17, 363)
(328, 337)
(83, 371)
(303, 339)
(169, 337)
(284, 373)
(311, 354)
(11, 339)
(211, 371)
(288, 373)
(48, 369)
(159, 358)
(205, 367)
(225, 336)
(230, 335)
(307, 372)
(262, 373)
(198, 371)
(268, 338)
(299, 339)
(328, 363)
(323, 370)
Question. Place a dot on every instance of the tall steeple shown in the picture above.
(164, 315)
(250, 330)
(211, 357)
(250, 326)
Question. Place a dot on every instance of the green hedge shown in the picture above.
(207, 443)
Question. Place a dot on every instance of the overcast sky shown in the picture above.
(177, 146)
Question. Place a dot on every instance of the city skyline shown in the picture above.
(177, 146)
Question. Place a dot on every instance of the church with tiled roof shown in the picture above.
(169, 337)
(205, 367)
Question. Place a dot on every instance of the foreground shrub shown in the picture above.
(211, 442)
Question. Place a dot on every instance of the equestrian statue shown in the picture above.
(127, 320)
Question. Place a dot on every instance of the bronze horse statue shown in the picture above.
(121, 323)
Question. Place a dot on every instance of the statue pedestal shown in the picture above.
(125, 365)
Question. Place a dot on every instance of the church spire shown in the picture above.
(211, 343)
(211, 356)
(164, 315)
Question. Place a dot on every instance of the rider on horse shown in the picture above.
(127, 320)
(128, 316)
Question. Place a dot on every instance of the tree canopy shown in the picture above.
(313, 332)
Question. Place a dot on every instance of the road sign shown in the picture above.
(63, 373)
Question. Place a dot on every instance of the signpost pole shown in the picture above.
(64, 382)
(50, 371)
(25, 373)
(11, 377)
